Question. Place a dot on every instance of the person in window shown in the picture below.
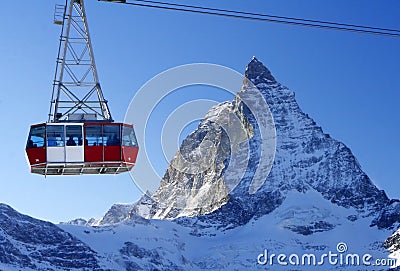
(71, 141)
(30, 144)
(114, 141)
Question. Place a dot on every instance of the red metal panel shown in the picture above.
(36, 155)
(93, 153)
(112, 153)
(129, 154)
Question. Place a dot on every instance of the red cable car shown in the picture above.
(80, 136)
(81, 148)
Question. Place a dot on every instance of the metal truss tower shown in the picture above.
(76, 95)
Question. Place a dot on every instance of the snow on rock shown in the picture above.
(80, 222)
(393, 245)
(116, 214)
(389, 217)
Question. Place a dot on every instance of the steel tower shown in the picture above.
(77, 94)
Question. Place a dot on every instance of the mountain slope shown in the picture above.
(32, 244)
(140, 244)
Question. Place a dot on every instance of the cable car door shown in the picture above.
(73, 143)
(55, 143)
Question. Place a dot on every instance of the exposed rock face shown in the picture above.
(132, 253)
(389, 216)
(80, 222)
(116, 214)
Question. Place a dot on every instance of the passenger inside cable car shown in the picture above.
(30, 144)
(71, 141)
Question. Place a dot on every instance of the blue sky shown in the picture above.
(347, 82)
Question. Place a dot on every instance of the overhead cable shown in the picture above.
(263, 17)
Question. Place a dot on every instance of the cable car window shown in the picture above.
(93, 135)
(128, 136)
(36, 137)
(55, 135)
(74, 135)
(111, 135)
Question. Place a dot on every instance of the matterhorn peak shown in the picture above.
(257, 73)
(306, 160)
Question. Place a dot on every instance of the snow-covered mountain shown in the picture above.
(31, 244)
(315, 207)
(117, 213)
(306, 159)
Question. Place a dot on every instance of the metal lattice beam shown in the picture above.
(76, 88)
